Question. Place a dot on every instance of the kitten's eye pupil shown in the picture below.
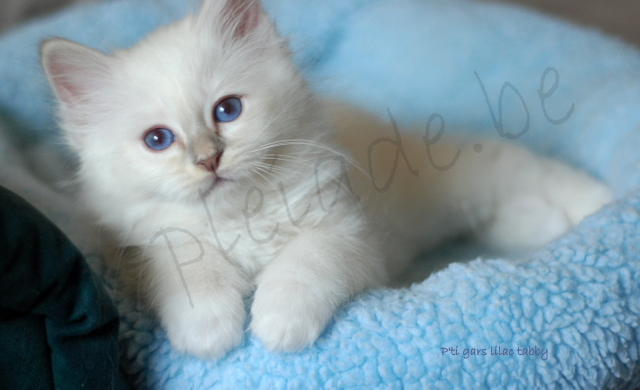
(159, 138)
(228, 110)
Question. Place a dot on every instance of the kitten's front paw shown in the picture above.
(288, 316)
(208, 330)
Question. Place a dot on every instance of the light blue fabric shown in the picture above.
(575, 304)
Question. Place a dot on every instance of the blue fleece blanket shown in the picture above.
(566, 316)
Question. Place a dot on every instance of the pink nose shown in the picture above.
(212, 163)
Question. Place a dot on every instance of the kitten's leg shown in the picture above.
(525, 200)
(508, 197)
(317, 271)
(503, 194)
(197, 294)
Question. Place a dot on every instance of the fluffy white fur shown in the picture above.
(278, 217)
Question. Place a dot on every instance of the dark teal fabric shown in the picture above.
(58, 326)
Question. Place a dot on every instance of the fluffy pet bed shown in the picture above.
(565, 316)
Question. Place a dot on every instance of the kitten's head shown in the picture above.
(194, 107)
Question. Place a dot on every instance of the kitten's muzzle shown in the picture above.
(211, 163)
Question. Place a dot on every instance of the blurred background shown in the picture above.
(616, 17)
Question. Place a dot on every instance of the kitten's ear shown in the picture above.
(239, 16)
(74, 71)
(246, 14)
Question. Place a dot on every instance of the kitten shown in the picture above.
(221, 174)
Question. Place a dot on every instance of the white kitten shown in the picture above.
(205, 153)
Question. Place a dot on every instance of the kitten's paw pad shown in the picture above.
(207, 330)
(288, 320)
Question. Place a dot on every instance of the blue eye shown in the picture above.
(159, 138)
(228, 110)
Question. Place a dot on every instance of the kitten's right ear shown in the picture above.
(74, 71)
(240, 17)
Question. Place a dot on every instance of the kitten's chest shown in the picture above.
(251, 239)
(249, 235)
